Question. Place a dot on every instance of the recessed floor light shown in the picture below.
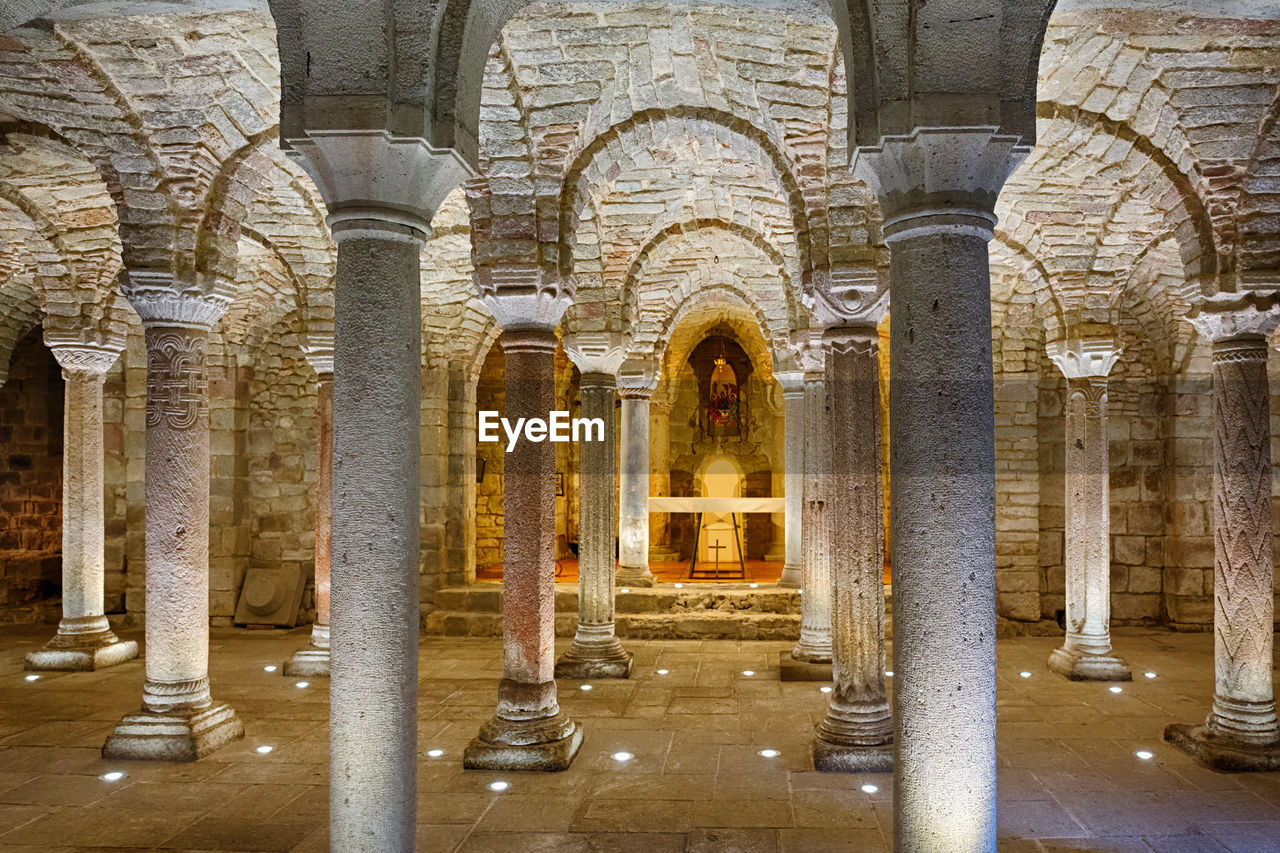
(625, 589)
(586, 687)
(826, 689)
(302, 684)
(113, 776)
(1145, 755)
(499, 786)
(622, 756)
(770, 753)
(663, 671)
(1115, 688)
(869, 789)
(679, 586)
(32, 677)
(889, 673)
(1025, 674)
(434, 753)
(263, 750)
(748, 672)
(754, 585)
(269, 668)
(1149, 674)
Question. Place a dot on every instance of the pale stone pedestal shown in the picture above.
(1076, 665)
(841, 758)
(173, 736)
(546, 744)
(794, 669)
(1221, 754)
(82, 645)
(308, 663)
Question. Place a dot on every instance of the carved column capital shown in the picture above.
(1083, 358)
(85, 359)
(940, 178)
(1236, 315)
(846, 295)
(161, 300)
(637, 379)
(595, 352)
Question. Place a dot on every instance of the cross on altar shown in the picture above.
(717, 548)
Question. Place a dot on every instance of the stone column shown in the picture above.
(660, 405)
(1240, 732)
(1086, 654)
(313, 661)
(84, 641)
(179, 720)
(380, 192)
(633, 489)
(529, 731)
(596, 651)
(793, 465)
(937, 189)
(857, 733)
(814, 646)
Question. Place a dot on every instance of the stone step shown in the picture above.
(697, 611)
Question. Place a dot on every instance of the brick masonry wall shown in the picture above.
(31, 485)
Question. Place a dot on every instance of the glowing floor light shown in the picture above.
(625, 589)
(263, 750)
(1149, 674)
(889, 673)
(586, 687)
(33, 677)
(1025, 674)
(269, 668)
(499, 786)
(622, 756)
(826, 689)
(1145, 755)
(770, 753)
(1116, 689)
(113, 776)
(748, 672)
(302, 684)
(434, 753)
(869, 789)
(663, 671)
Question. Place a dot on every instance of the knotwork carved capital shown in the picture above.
(177, 385)
(1083, 358)
(85, 359)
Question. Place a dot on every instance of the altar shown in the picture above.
(718, 531)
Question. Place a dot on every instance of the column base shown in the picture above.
(308, 663)
(1221, 754)
(633, 576)
(81, 653)
(548, 745)
(583, 665)
(663, 554)
(794, 669)
(173, 736)
(843, 758)
(790, 577)
(1079, 666)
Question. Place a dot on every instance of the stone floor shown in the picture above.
(1069, 776)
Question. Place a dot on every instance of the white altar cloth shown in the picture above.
(717, 505)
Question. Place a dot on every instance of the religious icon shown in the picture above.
(722, 407)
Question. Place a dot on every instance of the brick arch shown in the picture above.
(66, 201)
(622, 135)
(721, 297)
(1258, 211)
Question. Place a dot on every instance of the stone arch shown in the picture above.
(615, 138)
(714, 298)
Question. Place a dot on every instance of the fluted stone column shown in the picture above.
(1240, 732)
(633, 489)
(1086, 654)
(596, 651)
(313, 661)
(857, 732)
(814, 646)
(529, 731)
(793, 466)
(937, 189)
(179, 721)
(380, 192)
(84, 641)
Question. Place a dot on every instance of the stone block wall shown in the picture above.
(31, 404)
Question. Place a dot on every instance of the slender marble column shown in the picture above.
(857, 733)
(1240, 732)
(660, 474)
(633, 490)
(937, 189)
(596, 651)
(793, 465)
(313, 661)
(179, 720)
(529, 731)
(84, 641)
(1086, 654)
(814, 645)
